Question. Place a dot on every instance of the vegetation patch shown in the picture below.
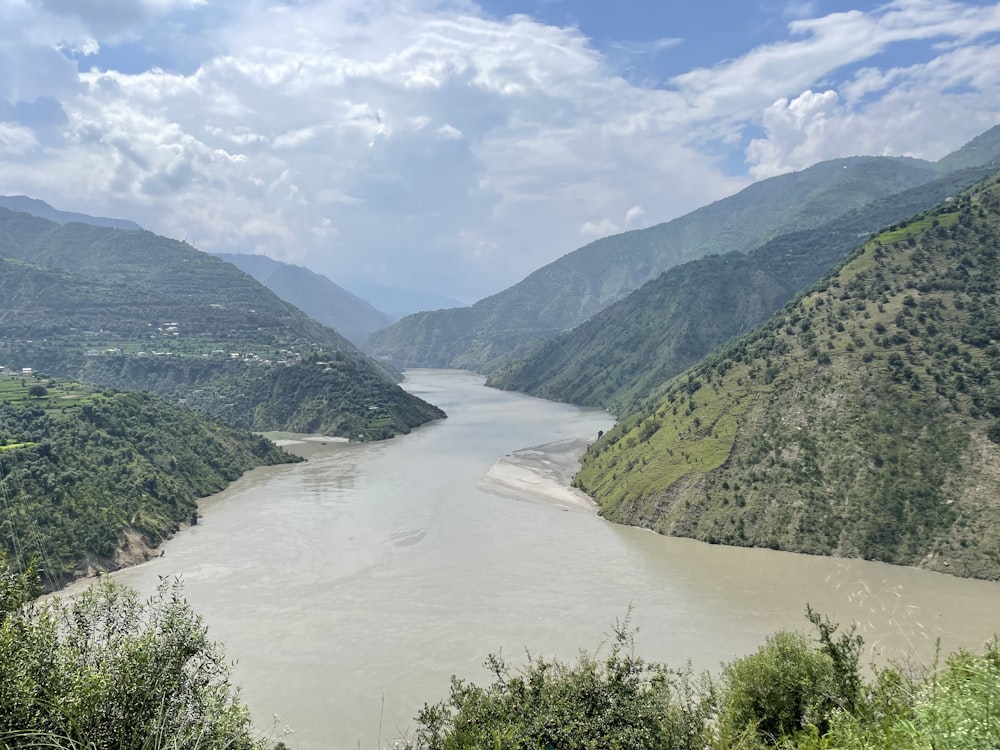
(854, 422)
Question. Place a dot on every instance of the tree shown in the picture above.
(105, 670)
(38, 391)
(617, 702)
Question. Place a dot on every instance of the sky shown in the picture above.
(454, 146)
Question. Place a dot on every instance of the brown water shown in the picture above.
(351, 587)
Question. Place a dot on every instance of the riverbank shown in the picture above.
(541, 474)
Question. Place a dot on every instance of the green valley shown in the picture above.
(860, 420)
(573, 288)
(617, 357)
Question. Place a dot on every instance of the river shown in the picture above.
(352, 586)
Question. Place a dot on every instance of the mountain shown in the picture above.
(573, 288)
(314, 294)
(43, 210)
(862, 420)
(617, 357)
(399, 302)
(982, 150)
(93, 480)
(131, 309)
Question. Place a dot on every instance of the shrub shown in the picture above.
(105, 670)
(620, 702)
(778, 691)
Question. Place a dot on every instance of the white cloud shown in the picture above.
(634, 215)
(796, 131)
(450, 131)
(16, 141)
(425, 143)
(602, 228)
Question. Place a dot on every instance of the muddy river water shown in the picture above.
(349, 588)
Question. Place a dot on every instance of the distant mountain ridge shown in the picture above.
(862, 420)
(40, 208)
(618, 356)
(568, 291)
(131, 309)
(571, 289)
(316, 295)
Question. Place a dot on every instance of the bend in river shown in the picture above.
(350, 587)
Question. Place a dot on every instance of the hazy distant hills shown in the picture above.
(158, 280)
(863, 419)
(580, 284)
(398, 302)
(314, 294)
(132, 309)
(982, 150)
(42, 209)
(622, 353)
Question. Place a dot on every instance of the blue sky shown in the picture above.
(454, 146)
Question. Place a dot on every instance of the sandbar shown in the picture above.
(541, 474)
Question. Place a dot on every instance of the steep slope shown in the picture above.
(982, 150)
(617, 357)
(105, 304)
(861, 420)
(87, 478)
(43, 210)
(163, 280)
(314, 294)
(580, 284)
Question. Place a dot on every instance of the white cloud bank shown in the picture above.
(423, 144)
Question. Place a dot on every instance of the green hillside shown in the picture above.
(91, 480)
(314, 294)
(617, 357)
(568, 291)
(149, 281)
(862, 420)
(130, 309)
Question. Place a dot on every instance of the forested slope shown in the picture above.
(573, 288)
(862, 420)
(617, 357)
(316, 295)
(89, 480)
(132, 310)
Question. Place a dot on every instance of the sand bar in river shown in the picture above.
(541, 474)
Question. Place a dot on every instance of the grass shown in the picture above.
(62, 394)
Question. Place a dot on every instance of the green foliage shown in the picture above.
(951, 708)
(778, 691)
(616, 702)
(616, 358)
(791, 693)
(105, 670)
(129, 309)
(85, 477)
(858, 421)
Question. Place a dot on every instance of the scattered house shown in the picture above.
(26, 371)
(92, 353)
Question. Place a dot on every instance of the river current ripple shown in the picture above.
(349, 588)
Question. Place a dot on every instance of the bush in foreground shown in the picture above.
(106, 670)
(792, 694)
